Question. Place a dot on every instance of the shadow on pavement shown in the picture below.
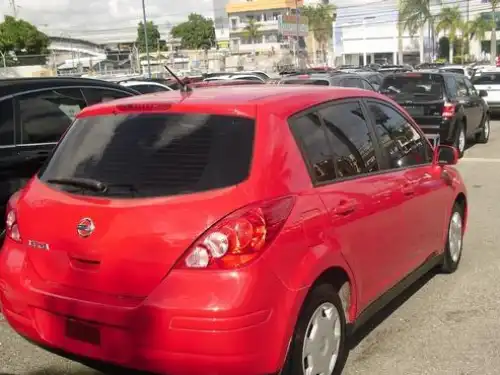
(388, 310)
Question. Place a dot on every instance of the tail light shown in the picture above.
(11, 223)
(239, 238)
(448, 110)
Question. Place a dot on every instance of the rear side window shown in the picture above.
(487, 79)
(147, 155)
(317, 82)
(46, 115)
(6, 123)
(414, 85)
(311, 136)
(352, 82)
(96, 95)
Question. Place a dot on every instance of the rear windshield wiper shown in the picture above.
(84, 183)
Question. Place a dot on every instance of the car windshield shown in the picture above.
(414, 85)
(146, 155)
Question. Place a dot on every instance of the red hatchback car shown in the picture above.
(237, 230)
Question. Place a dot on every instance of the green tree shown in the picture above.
(152, 33)
(450, 21)
(478, 27)
(252, 30)
(22, 42)
(197, 32)
(493, 50)
(412, 16)
(321, 18)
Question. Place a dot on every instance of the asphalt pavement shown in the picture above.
(444, 325)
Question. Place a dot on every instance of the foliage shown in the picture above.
(252, 30)
(23, 40)
(493, 51)
(413, 14)
(152, 33)
(450, 21)
(478, 27)
(321, 18)
(443, 48)
(197, 32)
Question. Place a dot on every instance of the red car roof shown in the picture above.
(282, 100)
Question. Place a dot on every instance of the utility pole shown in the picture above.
(146, 37)
(468, 39)
(297, 33)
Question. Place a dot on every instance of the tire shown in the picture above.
(484, 135)
(323, 303)
(460, 140)
(454, 241)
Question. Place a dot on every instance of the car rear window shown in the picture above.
(148, 155)
(455, 70)
(425, 85)
(318, 82)
(487, 79)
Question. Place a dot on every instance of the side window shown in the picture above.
(461, 87)
(352, 82)
(451, 86)
(95, 95)
(310, 134)
(470, 87)
(404, 146)
(366, 85)
(46, 115)
(348, 131)
(6, 123)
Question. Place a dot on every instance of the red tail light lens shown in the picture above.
(239, 238)
(11, 226)
(448, 110)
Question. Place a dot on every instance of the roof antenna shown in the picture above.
(183, 87)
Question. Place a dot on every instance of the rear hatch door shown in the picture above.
(491, 83)
(125, 195)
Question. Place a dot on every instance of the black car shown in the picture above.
(374, 78)
(329, 79)
(447, 106)
(34, 113)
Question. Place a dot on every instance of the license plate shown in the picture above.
(415, 111)
(84, 332)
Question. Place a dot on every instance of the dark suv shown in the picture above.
(34, 113)
(447, 106)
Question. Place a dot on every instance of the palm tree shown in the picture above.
(321, 18)
(493, 47)
(450, 21)
(413, 15)
(477, 28)
(252, 30)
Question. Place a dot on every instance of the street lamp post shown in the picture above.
(146, 37)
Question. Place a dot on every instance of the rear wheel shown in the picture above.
(484, 135)
(460, 139)
(454, 241)
(319, 341)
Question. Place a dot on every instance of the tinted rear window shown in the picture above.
(318, 82)
(146, 155)
(425, 85)
(487, 79)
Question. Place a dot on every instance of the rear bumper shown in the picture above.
(226, 323)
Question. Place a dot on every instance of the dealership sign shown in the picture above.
(288, 25)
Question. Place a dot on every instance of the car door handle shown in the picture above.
(346, 207)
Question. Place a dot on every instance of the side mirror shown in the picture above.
(446, 155)
(483, 93)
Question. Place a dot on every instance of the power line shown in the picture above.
(357, 16)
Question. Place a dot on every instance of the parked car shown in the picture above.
(34, 113)
(490, 83)
(329, 79)
(146, 87)
(447, 106)
(159, 252)
(374, 78)
(460, 69)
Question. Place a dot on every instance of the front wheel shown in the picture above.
(319, 341)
